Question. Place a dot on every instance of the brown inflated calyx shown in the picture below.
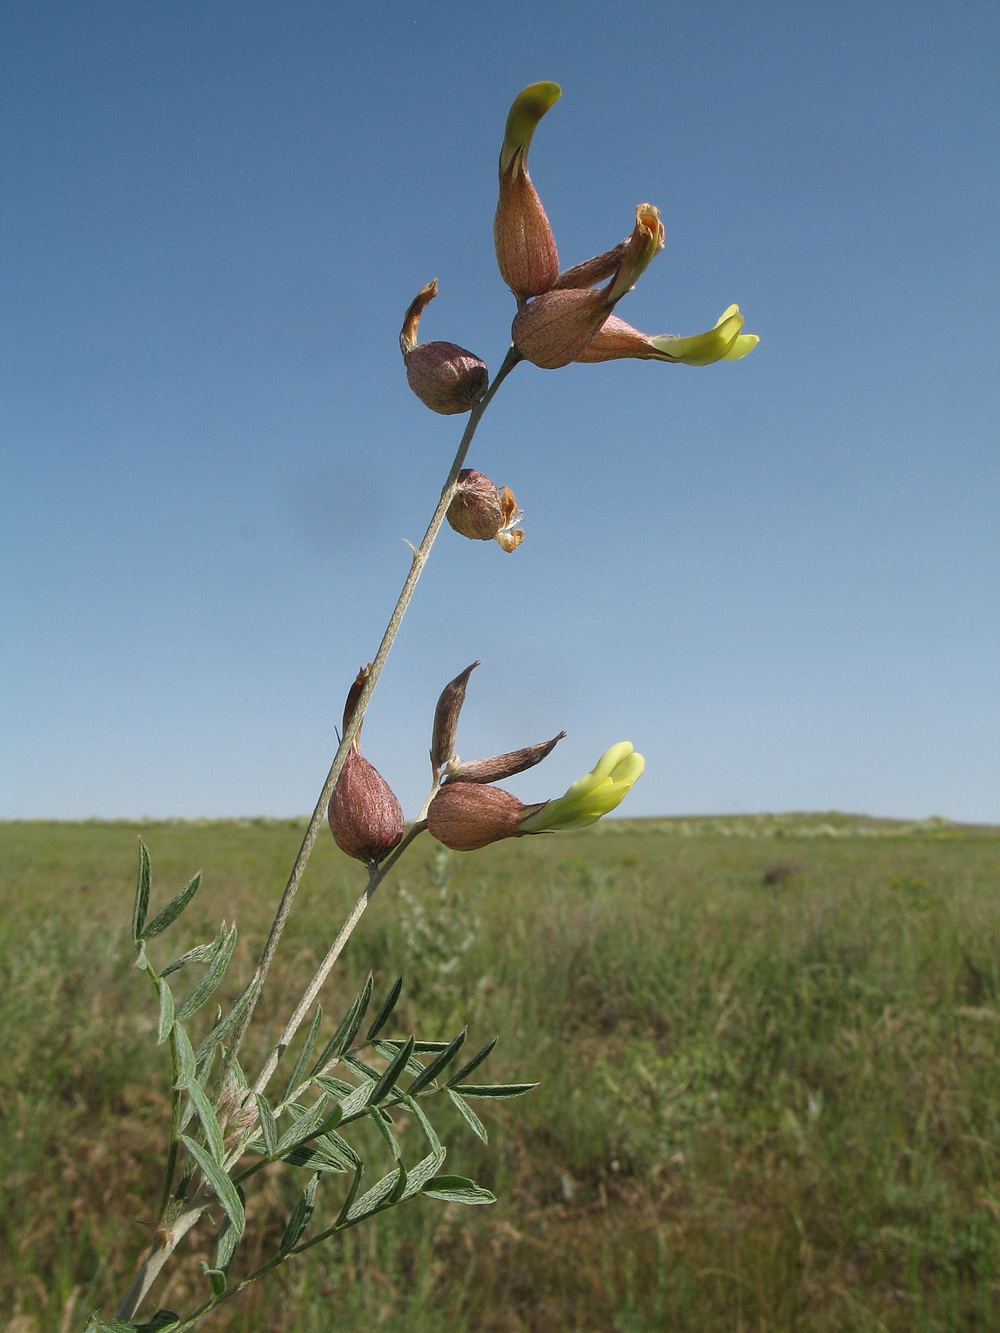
(445, 377)
(365, 818)
(465, 816)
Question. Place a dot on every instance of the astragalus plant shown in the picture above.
(230, 1121)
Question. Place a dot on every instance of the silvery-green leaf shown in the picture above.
(335, 1143)
(220, 1183)
(493, 1089)
(436, 1065)
(353, 1105)
(209, 1121)
(348, 1027)
(305, 1052)
(173, 909)
(351, 1195)
(430, 1133)
(210, 981)
(389, 1049)
(469, 1116)
(474, 1063)
(392, 1071)
(166, 1021)
(222, 1029)
(336, 1087)
(162, 1320)
(388, 1004)
(184, 1055)
(317, 1158)
(199, 954)
(141, 894)
(267, 1125)
(299, 1219)
(457, 1189)
(377, 1197)
(422, 1173)
(228, 1241)
(362, 1068)
(384, 1129)
(315, 1121)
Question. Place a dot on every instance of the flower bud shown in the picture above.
(365, 818)
(445, 377)
(465, 816)
(481, 511)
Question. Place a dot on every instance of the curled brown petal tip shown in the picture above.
(446, 715)
(502, 766)
(353, 695)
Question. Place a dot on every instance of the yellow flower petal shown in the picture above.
(527, 109)
(592, 796)
(724, 342)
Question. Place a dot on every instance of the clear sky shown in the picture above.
(777, 577)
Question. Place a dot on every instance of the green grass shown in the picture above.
(762, 1106)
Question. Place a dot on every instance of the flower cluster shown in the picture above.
(563, 315)
(468, 811)
(566, 316)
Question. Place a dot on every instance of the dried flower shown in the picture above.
(445, 377)
(483, 511)
(526, 249)
(557, 327)
(446, 715)
(443, 757)
(365, 817)
(501, 766)
(564, 317)
(465, 816)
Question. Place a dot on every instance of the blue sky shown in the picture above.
(777, 577)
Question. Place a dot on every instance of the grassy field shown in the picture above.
(768, 1052)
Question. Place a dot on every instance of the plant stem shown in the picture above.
(420, 556)
(160, 1252)
(315, 986)
(378, 874)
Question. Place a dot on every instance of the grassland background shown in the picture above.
(762, 1106)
